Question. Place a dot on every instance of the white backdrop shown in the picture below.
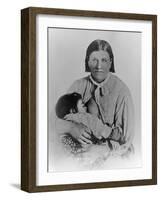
(10, 98)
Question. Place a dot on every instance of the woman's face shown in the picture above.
(99, 64)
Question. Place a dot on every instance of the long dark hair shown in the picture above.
(97, 45)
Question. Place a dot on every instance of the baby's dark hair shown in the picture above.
(66, 103)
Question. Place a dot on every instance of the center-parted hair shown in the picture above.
(67, 102)
(97, 45)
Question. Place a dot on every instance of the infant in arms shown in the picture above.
(70, 107)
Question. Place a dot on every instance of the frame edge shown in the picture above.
(90, 13)
(28, 100)
(24, 99)
(154, 99)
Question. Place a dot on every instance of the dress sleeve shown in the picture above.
(123, 127)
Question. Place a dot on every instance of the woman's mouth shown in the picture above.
(98, 71)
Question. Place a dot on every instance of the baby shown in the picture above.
(71, 108)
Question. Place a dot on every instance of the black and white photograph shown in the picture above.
(94, 99)
(88, 99)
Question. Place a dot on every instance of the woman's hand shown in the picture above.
(82, 134)
(85, 137)
(78, 131)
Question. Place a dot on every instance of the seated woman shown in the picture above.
(108, 93)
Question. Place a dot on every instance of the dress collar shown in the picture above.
(102, 83)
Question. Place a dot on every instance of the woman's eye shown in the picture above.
(94, 60)
(104, 60)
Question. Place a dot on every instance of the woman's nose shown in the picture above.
(98, 66)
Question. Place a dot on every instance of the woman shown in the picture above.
(105, 96)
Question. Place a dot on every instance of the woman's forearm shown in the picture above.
(78, 131)
(63, 126)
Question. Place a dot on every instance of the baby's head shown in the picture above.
(69, 103)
